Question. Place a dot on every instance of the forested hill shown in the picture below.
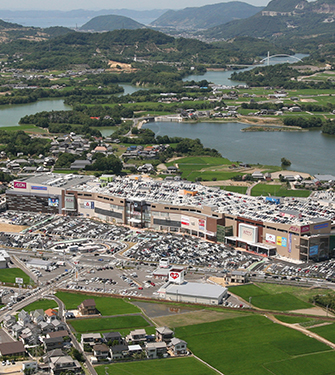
(283, 19)
(96, 49)
(7, 25)
(206, 16)
(111, 22)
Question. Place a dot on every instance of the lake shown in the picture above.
(310, 151)
(223, 77)
(10, 115)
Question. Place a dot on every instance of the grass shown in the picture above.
(8, 275)
(247, 345)
(235, 189)
(43, 304)
(318, 363)
(277, 190)
(263, 299)
(327, 331)
(185, 366)
(206, 167)
(302, 293)
(109, 324)
(105, 305)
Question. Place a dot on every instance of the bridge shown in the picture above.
(278, 55)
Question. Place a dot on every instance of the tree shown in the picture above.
(285, 162)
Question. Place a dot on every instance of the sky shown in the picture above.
(111, 4)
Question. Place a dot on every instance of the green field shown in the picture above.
(277, 190)
(185, 366)
(327, 331)
(205, 167)
(263, 299)
(235, 189)
(105, 305)
(8, 275)
(43, 304)
(247, 345)
(108, 324)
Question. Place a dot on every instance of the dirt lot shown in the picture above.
(5, 227)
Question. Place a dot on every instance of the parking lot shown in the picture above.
(114, 259)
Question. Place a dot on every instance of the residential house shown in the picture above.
(178, 346)
(50, 315)
(64, 364)
(119, 351)
(114, 338)
(134, 349)
(236, 277)
(9, 321)
(90, 339)
(87, 307)
(15, 348)
(61, 334)
(80, 164)
(101, 352)
(45, 327)
(257, 175)
(58, 325)
(137, 336)
(16, 330)
(53, 343)
(155, 349)
(23, 318)
(37, 316)
(164, 334)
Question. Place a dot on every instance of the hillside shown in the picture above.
(111, 22)
(205, 16)
(149, 46)
(283, 19)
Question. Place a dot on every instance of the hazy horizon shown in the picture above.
(65, 5)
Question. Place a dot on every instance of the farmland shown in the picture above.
(185, 366)
(264, 299)
(106, 306)
(265, 345)
(109, 324)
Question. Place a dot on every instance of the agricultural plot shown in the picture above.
(248, 345)
(281, 301)
(327, 331)
(105, 305)
(109, 324)
(277, 190)
(185, 366)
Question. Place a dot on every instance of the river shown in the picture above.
(310, 151)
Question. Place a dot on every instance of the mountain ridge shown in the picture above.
(205, 16)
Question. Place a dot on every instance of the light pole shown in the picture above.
(250, 298)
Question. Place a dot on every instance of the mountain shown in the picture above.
(283, 19)
(111, 22)
(205, 16)
(10, 32)
(47, 18)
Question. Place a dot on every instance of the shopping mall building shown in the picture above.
(181, 206)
